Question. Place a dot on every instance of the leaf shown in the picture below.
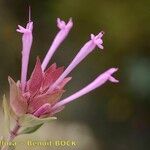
(50, 69)
(40, 100)
(29, 120)
(48, 77)
(17, 102)
(56, 74)
(29, 130)
(36, 78)
(51, 75)
(13, 115)
(6, 115)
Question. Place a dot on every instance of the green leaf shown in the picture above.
(29, 130)
(29, 120)
(6, 115)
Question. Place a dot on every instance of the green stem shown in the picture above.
(12, 135)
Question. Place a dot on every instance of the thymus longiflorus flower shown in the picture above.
(40, 94)
(26, 47)
(35, 100)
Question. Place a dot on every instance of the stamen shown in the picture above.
(29, 14)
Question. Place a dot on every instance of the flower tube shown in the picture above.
(84, 51)
(60, 37)
(100, 80)
(27, 39)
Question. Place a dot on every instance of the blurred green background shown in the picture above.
(118, 115)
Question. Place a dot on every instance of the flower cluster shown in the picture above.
(40, 94)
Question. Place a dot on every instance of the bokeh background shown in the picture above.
(117, 115)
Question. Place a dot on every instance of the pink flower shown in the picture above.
(26, 47)
(60, 37)
(40, 94)
(35, 98)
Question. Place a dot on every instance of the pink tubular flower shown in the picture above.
(100, 80)
(60, 37)
(85, 50)
(40, 94)
(26, 47)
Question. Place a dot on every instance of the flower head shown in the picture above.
(36, 98)
(40, 94)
